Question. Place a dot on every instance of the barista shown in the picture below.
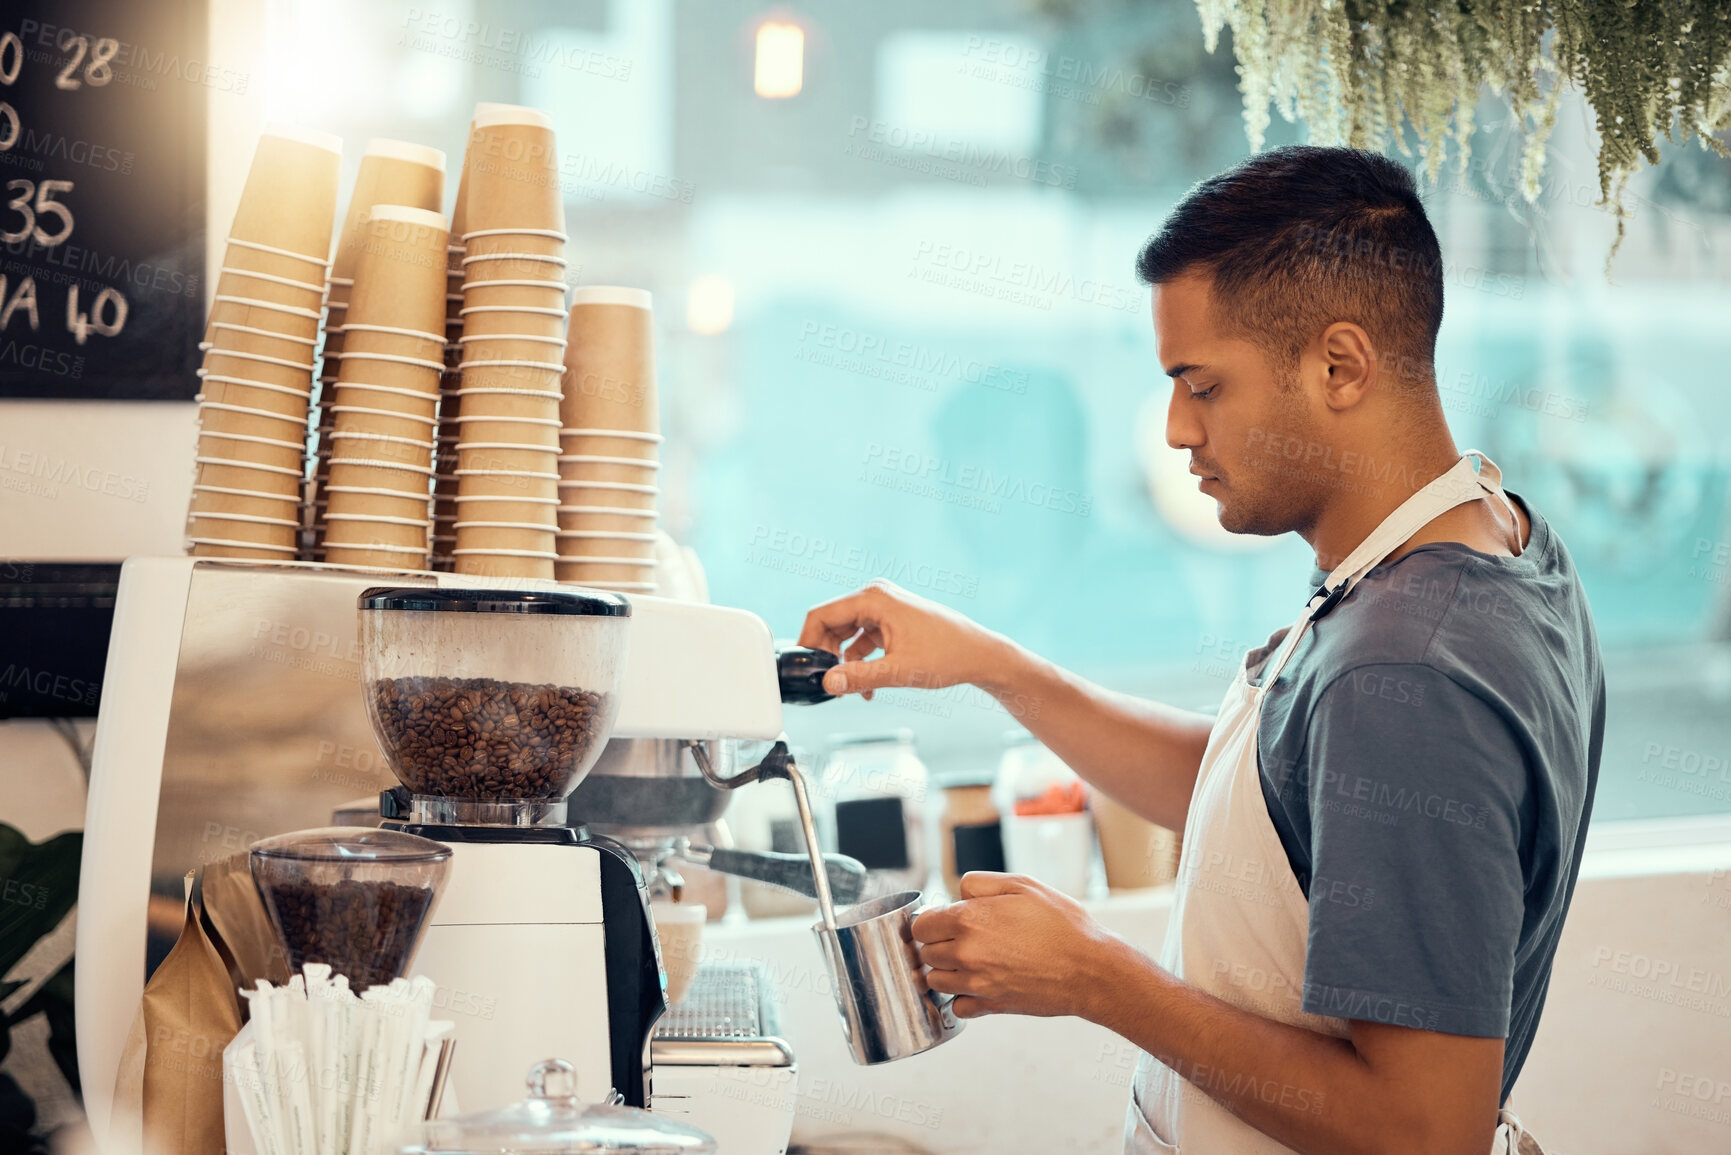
(1383, 824)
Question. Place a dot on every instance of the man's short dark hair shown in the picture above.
(1297, 238)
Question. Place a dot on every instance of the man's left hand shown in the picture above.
(1014, 946)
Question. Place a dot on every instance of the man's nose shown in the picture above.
(1183, 431)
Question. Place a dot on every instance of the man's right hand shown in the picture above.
(924, 644)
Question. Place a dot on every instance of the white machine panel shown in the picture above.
(499, 883)
(554, 1007)
(746, 1110)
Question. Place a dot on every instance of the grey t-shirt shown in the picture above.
(1428, 757)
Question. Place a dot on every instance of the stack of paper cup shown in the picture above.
(259, 351)
(513, 345)
(387, 393)
(445, 454)
(393, 172)
(609, 453)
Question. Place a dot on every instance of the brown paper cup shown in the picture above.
(516, 293)
(238, 551)
(508, 401)
(512, 167)
(225, 474)
(505, 320)
(371, 474)
(360, 556)
(356, 444)
(221, 417)
(237, 527)
(391, 370)
(494, 565)
(610, 361)
(520, 485)
(400, 270)
(240, 447)
(515, 242)
(499, 430)
(212, 499)
(393, 172)
(503, 260)
(241, 310)
(345, 530)
(601, 517)
(366, 337)
(413, 402)
(617, 494)
(269, 342)
(351, 419)
(513, 485)
(585, 572)
(583, 544)
(504, 536)
(284, 399)
(487, 381)
(254, 261)
(289, 200)
(384, 503)
(238, 361)
(528, 510)
(1137, 853)
(304, 288)
(590, 443)
(514, 459)
(624, 470)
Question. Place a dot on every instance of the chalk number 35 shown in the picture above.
(34, 213)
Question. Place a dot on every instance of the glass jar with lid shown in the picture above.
(1047, 831)
(355, 897)
(552, 1121)
(878, 792)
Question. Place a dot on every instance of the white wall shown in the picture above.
(94, 480)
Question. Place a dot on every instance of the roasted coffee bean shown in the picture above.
(365, 930)
(481, 738)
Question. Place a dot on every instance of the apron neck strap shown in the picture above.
(1461, 483)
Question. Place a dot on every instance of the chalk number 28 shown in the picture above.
(97, 72)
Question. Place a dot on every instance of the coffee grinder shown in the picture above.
(491, 705)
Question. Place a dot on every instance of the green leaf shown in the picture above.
(38, 886)
(54, 1000)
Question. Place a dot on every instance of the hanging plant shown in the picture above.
(1368, 74)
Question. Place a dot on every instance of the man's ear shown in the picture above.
(1348, 361)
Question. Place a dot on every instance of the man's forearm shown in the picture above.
(1310, 1091)
(1142, 753)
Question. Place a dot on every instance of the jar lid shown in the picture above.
(551, 1121)
(352, 844)
(432, 599)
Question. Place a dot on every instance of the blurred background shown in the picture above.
(891, 248)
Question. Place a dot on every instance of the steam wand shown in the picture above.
(778, 763)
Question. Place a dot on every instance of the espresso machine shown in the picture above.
(241, 702)
(491, 705)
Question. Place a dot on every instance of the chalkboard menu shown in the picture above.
(102, 139)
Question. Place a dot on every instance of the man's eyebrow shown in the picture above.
(1179, 370)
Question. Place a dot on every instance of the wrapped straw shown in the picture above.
(321, 1071)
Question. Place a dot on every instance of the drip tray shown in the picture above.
(727, 1019)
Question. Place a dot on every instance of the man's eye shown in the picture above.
(1203, 394)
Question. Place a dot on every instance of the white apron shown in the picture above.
(1240, 923)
